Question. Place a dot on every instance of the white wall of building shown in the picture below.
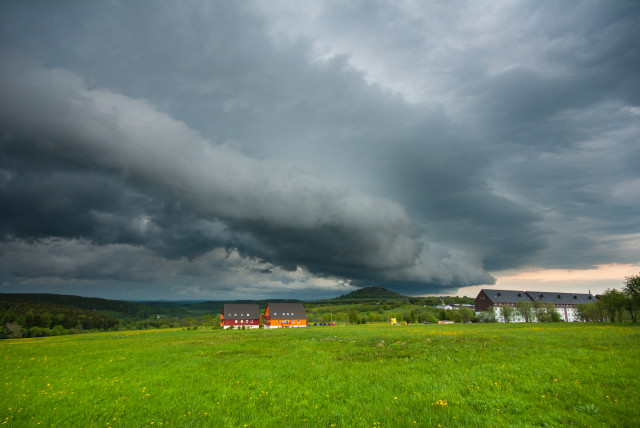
(566, 314)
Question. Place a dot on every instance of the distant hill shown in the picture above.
(114, 308)
(40, 318)
(371, 293)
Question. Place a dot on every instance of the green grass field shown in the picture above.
(354, 376)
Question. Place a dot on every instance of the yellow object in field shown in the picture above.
(393, 321)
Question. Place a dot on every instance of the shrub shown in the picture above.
(58, 330)
(14, 330)
(36, 332)
(488, 316)
(430, 318)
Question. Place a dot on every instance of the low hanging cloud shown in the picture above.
(127, 271)
(116, 170)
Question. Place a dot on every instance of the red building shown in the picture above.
(237, 316)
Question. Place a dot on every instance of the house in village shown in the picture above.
(566, 304)
(240, 315)
(444, 306)
(278, 315)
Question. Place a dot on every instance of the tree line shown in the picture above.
(115, 308)
(614, 304)
(363, 314)
(19, 318)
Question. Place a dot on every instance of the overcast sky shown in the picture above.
(284, 149)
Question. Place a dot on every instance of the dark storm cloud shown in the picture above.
(410, 145)
(293, 218)
(70, 205)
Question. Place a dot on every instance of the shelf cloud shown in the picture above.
(301, 151)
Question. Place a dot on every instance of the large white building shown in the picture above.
(566, 304)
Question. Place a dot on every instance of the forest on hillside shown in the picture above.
(24, 318)
(115, 308)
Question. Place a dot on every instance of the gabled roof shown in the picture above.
(506, 296)
(232, 311)
(286, 311)
(561, 298)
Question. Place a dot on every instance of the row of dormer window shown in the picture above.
(275, 313)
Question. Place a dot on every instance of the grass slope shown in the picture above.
(352, 376)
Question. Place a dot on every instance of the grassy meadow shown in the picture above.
(346, 376)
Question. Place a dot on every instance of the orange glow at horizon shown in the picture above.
(597, 273)
(596, 279)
